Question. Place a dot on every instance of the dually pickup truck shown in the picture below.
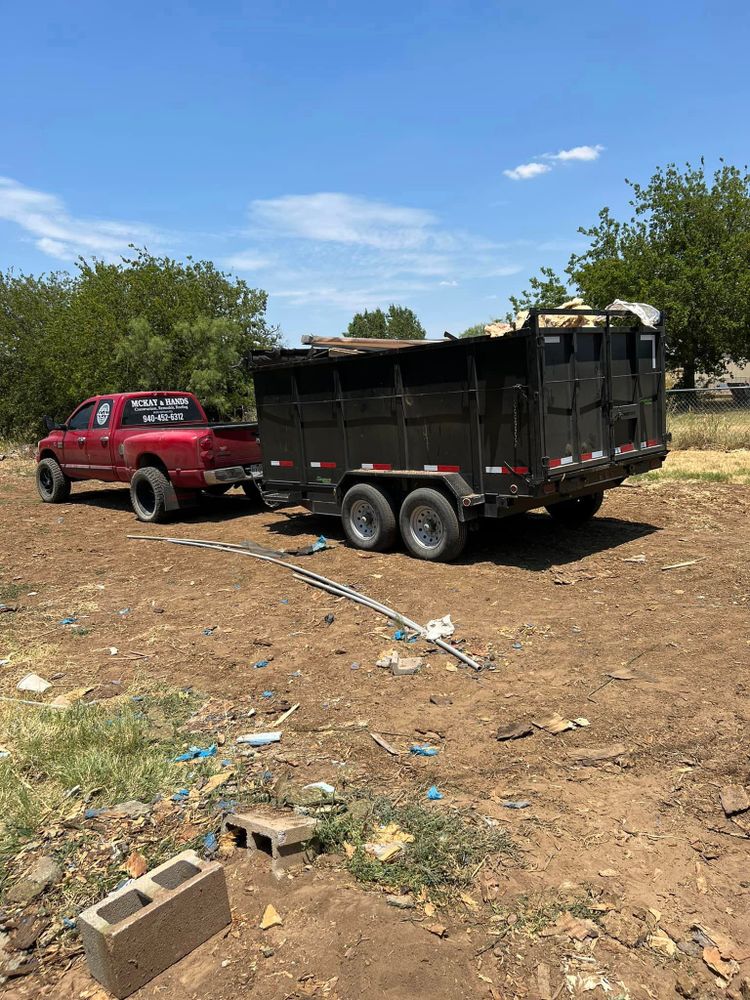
(160, 442)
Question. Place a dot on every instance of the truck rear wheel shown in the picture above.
(368, 519)
(578, 510)
(430, 526)
(148, 494)
(51, 482)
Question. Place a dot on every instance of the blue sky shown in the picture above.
(345, 155)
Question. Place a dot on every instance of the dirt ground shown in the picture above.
(640, 834)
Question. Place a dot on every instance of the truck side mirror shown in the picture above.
(52, 425)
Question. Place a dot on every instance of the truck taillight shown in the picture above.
(206, 449)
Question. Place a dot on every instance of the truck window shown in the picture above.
(144, 411)
(80, 419)
(103, 414)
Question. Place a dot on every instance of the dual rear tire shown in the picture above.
(427, 521)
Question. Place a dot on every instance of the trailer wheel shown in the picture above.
(148, 494)
(430, 526)
(51, 482)
(578, 510)
(368, 519)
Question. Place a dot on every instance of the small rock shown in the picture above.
(132, 809)
(42, 874)
(401, 902)
(685, 987)
(440, 699)
(407, 665)
(734, 800)
(690, 948)
(515, 731)
(28, 932)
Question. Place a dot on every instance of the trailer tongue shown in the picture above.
(430, 437)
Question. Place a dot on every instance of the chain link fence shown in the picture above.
(709, 418)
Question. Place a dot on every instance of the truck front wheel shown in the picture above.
(368, 518)
(149, 488)
(51, 482)
(578, 510)
(430, 526)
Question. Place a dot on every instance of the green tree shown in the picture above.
(474, 331)
(399, 323)
(548, 291)
(685, 249)
(144, 323)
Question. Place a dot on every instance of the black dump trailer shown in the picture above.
(424, 440)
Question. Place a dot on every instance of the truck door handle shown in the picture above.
(104, 440)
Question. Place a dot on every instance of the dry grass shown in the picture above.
(725, 431)
(704, 466)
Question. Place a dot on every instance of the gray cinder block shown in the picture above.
(139, 931)
(288, 840)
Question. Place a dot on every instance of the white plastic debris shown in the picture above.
(440, 628)
(33, 682)
(647, 314)
(113, 650)
(259, 739)
(319, 786)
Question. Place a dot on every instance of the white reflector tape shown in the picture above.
(589, 456)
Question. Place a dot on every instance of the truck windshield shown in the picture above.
(146, 410)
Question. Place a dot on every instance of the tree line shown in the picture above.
(144, 323)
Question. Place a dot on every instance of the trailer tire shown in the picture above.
(149, 488)
(52, 484)
(578, 510)
(368, 519)
(430, 526)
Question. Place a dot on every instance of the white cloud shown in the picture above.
(576, 153)
(341, 218)
(449, 284)
(247, 260)
(525, 171)
(56, 233)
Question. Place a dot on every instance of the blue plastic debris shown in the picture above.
(259, 664)
(267, 694)
(399, 634)
(284, 600)
(195, 753)
(521, 804)
(236, 586)
(354, 666)
(424, 751)
(226, 805)
(92, 813)
(137, 697)
(267, 777)
(322, 543)
(517, 645)
(434, 794)
(69, 923)
(69, 621)
(124, 611)
(210, 843)
(181, 795)
(210, 630)
(226, 762)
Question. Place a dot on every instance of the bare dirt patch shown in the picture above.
(623, 827)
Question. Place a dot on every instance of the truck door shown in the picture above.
(98, 451)
(576, 424)
(75, 459)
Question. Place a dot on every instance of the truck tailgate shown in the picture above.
(236, 444)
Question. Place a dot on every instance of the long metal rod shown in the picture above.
(340, 588)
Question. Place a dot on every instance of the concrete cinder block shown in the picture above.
(287, 839)
(139, 931)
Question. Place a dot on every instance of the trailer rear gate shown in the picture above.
(516, 418)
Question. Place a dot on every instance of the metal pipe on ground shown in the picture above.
(339, 588)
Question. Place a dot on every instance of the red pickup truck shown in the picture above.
(159, 442)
